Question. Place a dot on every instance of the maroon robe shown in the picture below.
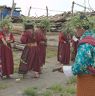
(63, 49)
(6, 54)
(41, 41)
(60, 43)
(29, 54)
(74, 46)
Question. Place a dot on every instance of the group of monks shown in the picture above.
(33, 55)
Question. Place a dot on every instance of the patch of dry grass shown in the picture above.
(16, 55)
(4, 85)
(51, 52)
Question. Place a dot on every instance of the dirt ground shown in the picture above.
(47, 78)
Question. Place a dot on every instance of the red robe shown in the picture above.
(74, 46)
(63, 55)
(41, 41)
(60, 43)
(6, 54)
(29, 54)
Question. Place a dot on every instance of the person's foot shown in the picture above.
(36, 75)
(8, 77)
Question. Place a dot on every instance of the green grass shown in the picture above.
(47, 93)
(30, 92)
(57, 88)
(54, 90)
(71, 80)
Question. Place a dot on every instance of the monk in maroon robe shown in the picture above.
(74, 41)
(6, 56)
(60, 43)
(63, 55)
(41, 41)
(30, 57)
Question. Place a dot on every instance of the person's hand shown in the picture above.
(91, 69)
(10, 41)
(59, 69)
(4, 42)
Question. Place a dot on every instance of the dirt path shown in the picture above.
(46, 79)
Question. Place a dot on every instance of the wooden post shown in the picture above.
(13, 7)
(47, 11)
(73, 8)
(84, 6)
(29, 11)
(1, 16)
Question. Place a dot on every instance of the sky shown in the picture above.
(58, 6)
